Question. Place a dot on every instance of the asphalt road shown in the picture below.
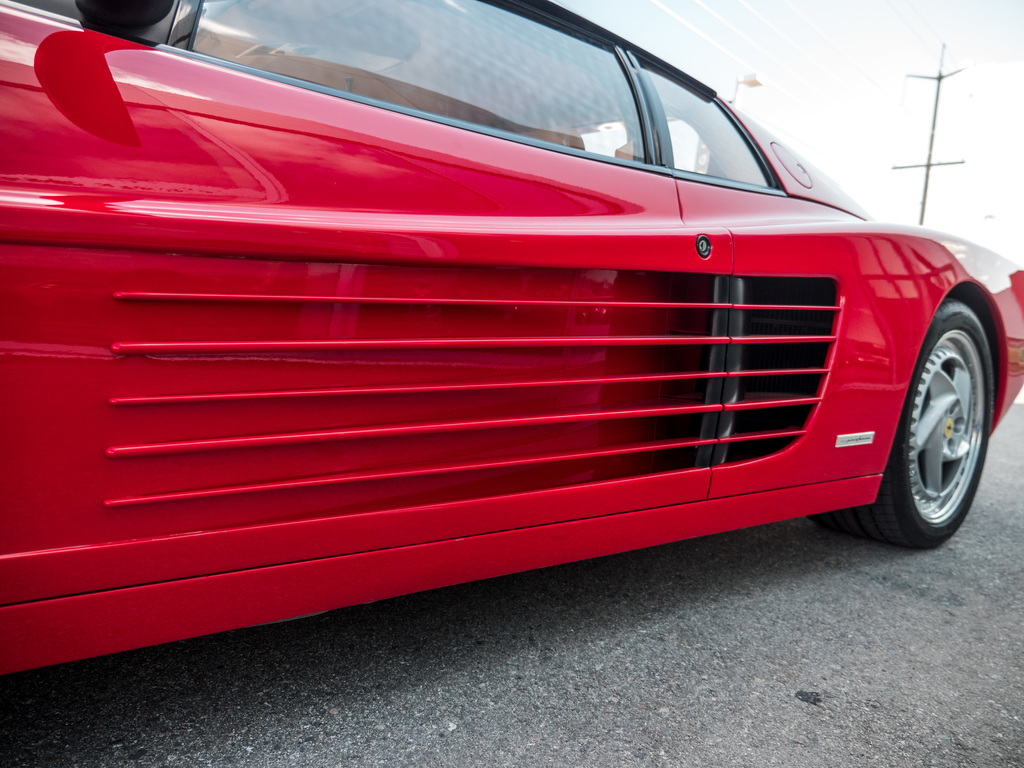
(784, 645)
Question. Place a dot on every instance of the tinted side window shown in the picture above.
(457, 58)
(59, 7)
(704, 139)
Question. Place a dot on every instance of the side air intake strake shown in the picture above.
(781, 331)
(398, 386)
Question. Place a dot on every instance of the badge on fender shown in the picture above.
(858, 438)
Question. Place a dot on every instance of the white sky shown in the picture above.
(836, 90)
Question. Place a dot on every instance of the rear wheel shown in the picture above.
(939, 450)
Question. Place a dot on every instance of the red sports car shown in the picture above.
(307, 303)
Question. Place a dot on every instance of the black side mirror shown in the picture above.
(128, 14)
(141, 20)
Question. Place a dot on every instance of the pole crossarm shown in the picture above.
(939, 76)
(927, 165)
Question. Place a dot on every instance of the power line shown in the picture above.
(791, 42)
(832, 43)
(927, 46)
(924, 20)
(750, 41)
(707, 38)
(843, 83)
(930, 28)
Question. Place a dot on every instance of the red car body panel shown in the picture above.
(242, 386)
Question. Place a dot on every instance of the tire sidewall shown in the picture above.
(951, 315)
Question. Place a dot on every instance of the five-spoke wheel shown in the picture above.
(945, 435)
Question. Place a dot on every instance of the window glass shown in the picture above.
(59, 7)
(457, 58)
(704, 139)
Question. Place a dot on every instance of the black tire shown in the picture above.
(939, 450)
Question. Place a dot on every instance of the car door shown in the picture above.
(784, 399)
(289, 305)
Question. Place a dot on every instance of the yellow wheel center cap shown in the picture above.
(949, 428)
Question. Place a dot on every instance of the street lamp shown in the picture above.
(749, 80)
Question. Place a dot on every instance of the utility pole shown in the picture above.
(931, 141)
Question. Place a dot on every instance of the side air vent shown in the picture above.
(375, 387)
(782, 330)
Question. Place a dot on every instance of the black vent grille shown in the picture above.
(781, 332)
